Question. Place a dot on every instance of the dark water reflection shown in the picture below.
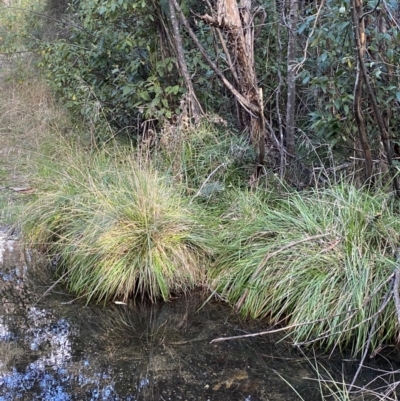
(52, 349)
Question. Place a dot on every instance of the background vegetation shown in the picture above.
(118, 63)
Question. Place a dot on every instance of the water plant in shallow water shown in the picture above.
(118, 228)
(319, 261)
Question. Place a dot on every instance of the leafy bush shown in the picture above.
(111, 60)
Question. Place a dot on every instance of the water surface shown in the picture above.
(53, 347)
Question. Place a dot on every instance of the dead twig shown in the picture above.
(292, 326)
(300, 65)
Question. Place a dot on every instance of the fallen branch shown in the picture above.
(292, 326)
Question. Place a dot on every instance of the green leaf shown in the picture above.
(323, 57)
(302, 28)
(144, 95)
(126, 90)
(155, 102)
(336, 102)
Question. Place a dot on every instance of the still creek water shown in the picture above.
(55, 348)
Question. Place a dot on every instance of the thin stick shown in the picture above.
(206, 180)
(299, 65)
(396, 296)
(216, 340)
(371, 332)
(50, 288)
(305, 323)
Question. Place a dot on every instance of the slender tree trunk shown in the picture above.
(291, 77)
(356, 10)
(177, 39)
(359, 34)
(278, 91)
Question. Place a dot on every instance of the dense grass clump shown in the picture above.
(323, 257)
(118, 228)
(207, 158)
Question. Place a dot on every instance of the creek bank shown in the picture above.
(58, 348)
(55, 349)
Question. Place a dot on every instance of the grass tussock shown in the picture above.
(322, 257)
(206, 159)
(119, 228)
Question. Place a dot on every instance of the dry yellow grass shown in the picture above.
(28, 114)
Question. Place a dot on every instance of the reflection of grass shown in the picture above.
(118, 226)
(323, 257)
(9, 352)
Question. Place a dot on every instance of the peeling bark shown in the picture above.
(235, 22)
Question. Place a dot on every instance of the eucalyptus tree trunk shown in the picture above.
(291, 78)
(235, 22)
